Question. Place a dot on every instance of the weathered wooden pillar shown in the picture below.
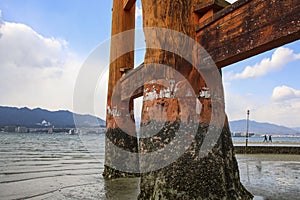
(120, 128)
(181, 107)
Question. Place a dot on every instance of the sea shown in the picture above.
(63, 166)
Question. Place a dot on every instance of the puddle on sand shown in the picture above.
(258, 198)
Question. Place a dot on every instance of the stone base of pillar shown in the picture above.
(194, 176)
(111, 173)
(121, 155)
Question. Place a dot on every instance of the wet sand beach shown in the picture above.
(60, 166)
(271, 176)
(268, 177)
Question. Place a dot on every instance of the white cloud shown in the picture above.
(280, 112)
(279, 59)
(36, 71)
(282, 108)
(237, 105)
(21, 44)
(100, 97)
(285, 93)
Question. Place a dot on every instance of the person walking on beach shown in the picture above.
(270, 138)
(266, 139)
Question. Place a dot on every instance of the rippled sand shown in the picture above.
(271, 176)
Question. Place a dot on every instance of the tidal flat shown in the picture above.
(61, 166)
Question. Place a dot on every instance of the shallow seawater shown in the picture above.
(49, 166)
(271, 176)
(62, 166)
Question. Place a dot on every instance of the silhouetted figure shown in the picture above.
(270, 138)
(266, 139)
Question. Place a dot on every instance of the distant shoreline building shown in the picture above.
(16, 129)
(241, 134)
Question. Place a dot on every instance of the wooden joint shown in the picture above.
(216, 5)
(227, 10)
(128, 4)
(125, 69)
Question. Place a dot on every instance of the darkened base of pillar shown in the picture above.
(213, 176)
(111, 173)
(121, 158)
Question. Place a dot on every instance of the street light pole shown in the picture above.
(247, 134)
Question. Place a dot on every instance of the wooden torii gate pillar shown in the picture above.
(123, 19)
(229, 33)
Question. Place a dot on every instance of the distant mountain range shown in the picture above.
(33, 118)
(261, 128)
(297, 129)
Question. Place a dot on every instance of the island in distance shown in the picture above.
(239, 126)
(21, 119)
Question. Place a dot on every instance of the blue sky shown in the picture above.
(43, 44)
(84, 24)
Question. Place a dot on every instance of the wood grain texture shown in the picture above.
(249, 27)
(121, 21)
(120, 129)
(215, 175)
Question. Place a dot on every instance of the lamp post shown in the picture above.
(247, 134)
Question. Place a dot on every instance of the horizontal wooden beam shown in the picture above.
(127, 4)
(217, 5)
(249, 27)
(130, 80)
